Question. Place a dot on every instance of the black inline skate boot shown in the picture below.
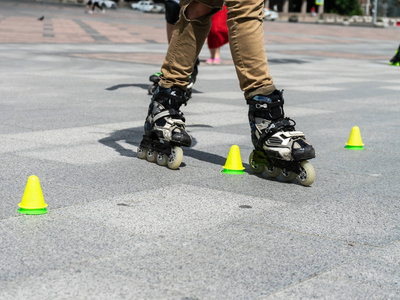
(395, 61)
(279, 148)
(164, 128)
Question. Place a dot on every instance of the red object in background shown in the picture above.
(218, 35)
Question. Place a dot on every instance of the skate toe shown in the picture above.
(302, 150)
(182, 138)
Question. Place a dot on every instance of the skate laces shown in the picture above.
(284, 124)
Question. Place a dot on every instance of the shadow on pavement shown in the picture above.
(143, 86)
(133, 136)
(286, 61)
(125, 85)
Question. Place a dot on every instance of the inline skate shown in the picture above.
(395, 61)
(164, 128)
(155, 79)
(279, 148)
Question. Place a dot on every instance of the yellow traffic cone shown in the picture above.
(355, 142)
(233, 163)
(33, 202)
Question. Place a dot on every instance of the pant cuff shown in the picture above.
(265, 91)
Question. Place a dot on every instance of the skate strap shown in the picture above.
(266, 102)
(169, 113)
(285, 124)
(171, 97)
(177, 114)
(181, 99)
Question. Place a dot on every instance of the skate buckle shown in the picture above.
(262, 106)
(270, 127)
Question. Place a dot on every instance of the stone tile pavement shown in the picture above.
(73, 100)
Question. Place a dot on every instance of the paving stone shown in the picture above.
(72, 108)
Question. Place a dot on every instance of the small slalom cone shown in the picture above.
(233, 163)
(355, 142)
(33, 202)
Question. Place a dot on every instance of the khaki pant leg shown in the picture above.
(185, 46)
(246, 40)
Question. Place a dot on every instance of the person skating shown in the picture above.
(278, 146)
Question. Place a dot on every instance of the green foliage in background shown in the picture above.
(347, 7)
(393, 9)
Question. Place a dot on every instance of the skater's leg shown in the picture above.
(272, 132)
(179, 64)
(165, 123)
(172, 10)
(187, 40)
(246, 40)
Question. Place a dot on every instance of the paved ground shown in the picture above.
(73, 100)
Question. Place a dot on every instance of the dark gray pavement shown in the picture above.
(73, 97)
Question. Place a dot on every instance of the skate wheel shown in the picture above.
(152, 89)
(307, 173)
(151, 155)
(272, 171)
(175, 159)
(256, 168)
(162, 159)
(141, 153)
(288, 176)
